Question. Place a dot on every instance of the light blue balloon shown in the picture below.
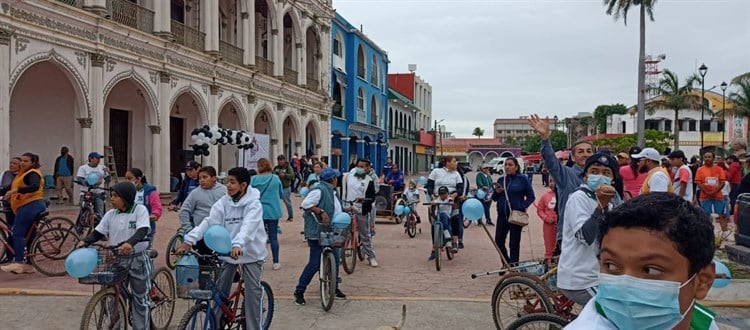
(92, 178)
(481, 194)
(304, 191)
(399, 210)
(422, 180)
(81, 262)
(407, 210)
(342, 220)
(315, 185)
(721, 268)
(217, 238)
(473, 209)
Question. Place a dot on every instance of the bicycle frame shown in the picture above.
(228, 305)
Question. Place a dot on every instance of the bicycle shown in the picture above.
(352, 249)
(539, 321)
(110, 306)
(412, 219)
(329, 237)
(53, 239)
(87, 217)
(177, 239)
(438, 236)
(200, 316)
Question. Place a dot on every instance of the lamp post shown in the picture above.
(702, 70)
(555, 118)
(434, 141)
(723, 110)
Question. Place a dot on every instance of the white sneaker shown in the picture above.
(373, 262)
(276, 266)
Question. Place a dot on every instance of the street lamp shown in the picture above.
(723, 110)
(555, 118)
(702, 70)
(434, 141)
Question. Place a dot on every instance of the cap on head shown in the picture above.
(601, 159)
(443, 190)
(648, 153)
(329, 174)
(95, 155)
(192, 165)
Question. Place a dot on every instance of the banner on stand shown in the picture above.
(248, 158)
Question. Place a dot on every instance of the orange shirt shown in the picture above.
(19, 200)
(712, 176)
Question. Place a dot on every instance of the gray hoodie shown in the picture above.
(197, 205)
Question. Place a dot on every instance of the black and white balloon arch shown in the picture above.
(202, 136)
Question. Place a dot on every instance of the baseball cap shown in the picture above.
(648, 153)
(601, 159)
(328, 174)
(95, 155)
(443, 190)
(192, 165)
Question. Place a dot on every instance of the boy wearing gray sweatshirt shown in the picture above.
(197, 205)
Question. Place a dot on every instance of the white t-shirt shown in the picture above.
(356, 188)
(139, 197)
(443, 177)
(578, 268)
(313, 198)
(685, 171)
(411, 195)
(119, 226)
(85, 170)
(658, 182)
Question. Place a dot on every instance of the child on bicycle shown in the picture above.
(411, 194)
(655, 261)
(241, 213)
(445, 209)
(127, 225)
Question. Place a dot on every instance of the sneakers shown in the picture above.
(460, 245)
(373, 262)
(340, 295)
(299, 298)
(454, 248)
(289, 219)
(489, 223)
(18, 268)
(372, 231)
(276, 266)
(432, 256)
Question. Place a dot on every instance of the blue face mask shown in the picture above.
(636, 303)
(596, 180)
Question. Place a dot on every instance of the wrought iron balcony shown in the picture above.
(74, 3)
(312, 82)
(187, 36)
(264, 65)
(404, 134)
(230, 53)
(290, 76)
(337, 110)
(130, 14)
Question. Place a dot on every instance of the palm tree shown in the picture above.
(618, 8)
(478, 132)
(741, 98)
(674, 97)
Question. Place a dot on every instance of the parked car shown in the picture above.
(499, 167)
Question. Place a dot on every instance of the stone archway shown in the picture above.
(186, 113)
(264, 124)
(290, 136)
(311, 139)
(229, 118)
(312, 56)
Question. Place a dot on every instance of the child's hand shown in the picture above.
(126, 248)
(236, 252)
(81, 244)
(152, 218)
(181, 249)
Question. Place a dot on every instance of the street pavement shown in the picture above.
(449, 298)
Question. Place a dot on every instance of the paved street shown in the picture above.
(403, 277)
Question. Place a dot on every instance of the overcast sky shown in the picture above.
(502, 58)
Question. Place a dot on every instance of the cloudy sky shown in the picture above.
(488, 59)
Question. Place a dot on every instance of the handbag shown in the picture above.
(518, 218)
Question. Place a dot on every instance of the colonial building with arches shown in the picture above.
(139, 75)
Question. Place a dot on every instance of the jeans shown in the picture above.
(545, 179)
(713, 206)
(99, 205)
(501, 232)
(487, 206)
(446, 222)
(286, 197)
(457, 226)
(273, 238)
(24, 221)
(251, 274)
(313, 265)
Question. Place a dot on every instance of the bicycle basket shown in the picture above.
(332, 236)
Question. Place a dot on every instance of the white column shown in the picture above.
(213, 119)
(5, 36)
(302, 61)
(278, 50)
(86, 140)
(162, 18)
(96, 6)
(210, 25)
(156, 168)
(163, 136)
(96, 93)
(248, 33)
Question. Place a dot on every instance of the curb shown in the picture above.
(36, 292)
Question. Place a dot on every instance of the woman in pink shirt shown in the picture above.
(545, 209)
(631, 178)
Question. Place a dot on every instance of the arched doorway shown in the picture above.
(44, 124)
(186, 113)
(290, 137)
(229, 118)
(337, 156)
(311, 139)
(263, 124)
(290, 49)
(312, 55)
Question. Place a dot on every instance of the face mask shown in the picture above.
(636, 303)
(596, 180)
(358, 171)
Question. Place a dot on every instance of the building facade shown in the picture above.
(140, 75)
(410, 122)
(514, 131)
(360, 95)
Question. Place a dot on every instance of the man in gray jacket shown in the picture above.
(197, 205)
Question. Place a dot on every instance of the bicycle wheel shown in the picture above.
(539, 321)
(3, 248)
(162, 298)
(399, 218)
(196, 317)
(449, 252)
(104, 311)
(411, 226)
(349, 257)
(517, 296)
(327, 279)
(85, 222)
(54, 222)
(268, 305)
(49, 249)
(360, 250)
(467, 223)
(437, 240)
(174, 242)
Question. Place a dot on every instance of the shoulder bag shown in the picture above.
(518, 218)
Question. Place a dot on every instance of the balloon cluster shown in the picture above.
(202, 136)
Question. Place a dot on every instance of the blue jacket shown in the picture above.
(147, 190)
(187, 186)
(520, 193)
(567, 180)
(270, 194)
(398, 180)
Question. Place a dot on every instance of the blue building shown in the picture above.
(360, 93)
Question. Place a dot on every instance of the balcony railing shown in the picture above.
(290, 76)
(74, 3)
(264, 65)
(187, 36)
(337, 110)
(230, 53)
(312, 82)
(130, 14)
(400, 133)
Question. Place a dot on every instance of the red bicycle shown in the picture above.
(352, 249)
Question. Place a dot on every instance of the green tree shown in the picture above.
(741, 98)
(510, 141)
(559, 140)
(532, 144)
(618, 8)
(603, 111)
(653, 139)
(478, 132)
(674, 97)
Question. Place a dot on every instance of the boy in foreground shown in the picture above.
(655, 262)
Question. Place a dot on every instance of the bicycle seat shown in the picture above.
(152, 253)
(41, 216)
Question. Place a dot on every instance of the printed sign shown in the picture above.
(261, 147)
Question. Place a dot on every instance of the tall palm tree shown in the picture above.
(618, 8)
(674, 97)
(478, 132)
(741, 98)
